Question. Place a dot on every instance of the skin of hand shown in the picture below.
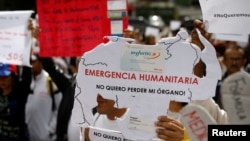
(201, 26)
(169, 129)
(35, 30)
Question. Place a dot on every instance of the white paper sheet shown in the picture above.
(226, 16)
(15, 38)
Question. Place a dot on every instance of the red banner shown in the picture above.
(71, 27)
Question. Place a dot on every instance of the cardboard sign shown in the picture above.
(235, 93)
(128, 74)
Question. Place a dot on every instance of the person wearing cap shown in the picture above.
(14, 89)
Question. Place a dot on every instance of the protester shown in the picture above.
(15, 88)
(173, 130)
(232, 90)
(66, 85)
(234, 60)
(42, 104)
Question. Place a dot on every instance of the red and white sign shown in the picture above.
(143, 78)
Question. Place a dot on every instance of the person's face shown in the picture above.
(5, 82)
(234, 60)
(105, 106)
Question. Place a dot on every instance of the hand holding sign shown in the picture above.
(170, 129)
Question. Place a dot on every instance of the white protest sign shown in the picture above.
(100, 134)
(15, 37)
(235, 93)
(231, 37)
(226, 16)
(143, 79)
(195, 118)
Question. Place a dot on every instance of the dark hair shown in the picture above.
(235, 47)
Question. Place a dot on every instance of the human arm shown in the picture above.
(61, 80)
(199, 69)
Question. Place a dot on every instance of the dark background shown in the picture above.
(10, 5)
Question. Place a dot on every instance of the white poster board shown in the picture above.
(226, 16)
(143, 78)
(15, 37)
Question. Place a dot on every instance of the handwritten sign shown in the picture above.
(70, 28)
(15, 38)
(196, 118)
(143, 86)
(236, 98)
